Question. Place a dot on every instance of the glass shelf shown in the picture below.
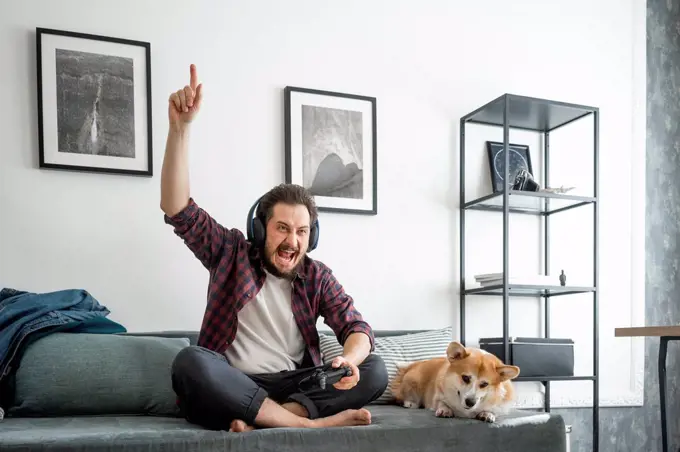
(556, 378)
(529, 202)
(527, 290)
(529, 113)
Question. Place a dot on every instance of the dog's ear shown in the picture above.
(456, 351)
(507, 372)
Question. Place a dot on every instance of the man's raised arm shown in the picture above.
(183, 106)
(202, 234)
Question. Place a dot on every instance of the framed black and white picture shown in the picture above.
(94, 103)
(519, 158)
(331, 148)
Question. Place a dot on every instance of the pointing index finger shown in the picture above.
(194, 77)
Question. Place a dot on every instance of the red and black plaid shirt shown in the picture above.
(237, 274)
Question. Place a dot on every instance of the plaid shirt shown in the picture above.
(237, 274)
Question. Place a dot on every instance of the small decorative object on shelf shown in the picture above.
(524, 181)
(519, 158)
(557, 190)
(563, 279)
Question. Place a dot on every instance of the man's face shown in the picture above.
(287, 238)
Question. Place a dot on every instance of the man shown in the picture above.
(259, 340)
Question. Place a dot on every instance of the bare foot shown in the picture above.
(240, 426)
(345, 418)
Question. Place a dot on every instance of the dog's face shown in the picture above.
(474, 376)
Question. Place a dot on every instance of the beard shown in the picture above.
(270, 266)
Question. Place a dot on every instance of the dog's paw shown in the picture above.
(443, 411)
(409, 404)
(485, 416)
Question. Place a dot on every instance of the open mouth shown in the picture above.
(286, 257)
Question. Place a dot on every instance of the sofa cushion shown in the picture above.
(396, 349)
(77, 373)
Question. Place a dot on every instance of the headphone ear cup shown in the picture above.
(259, 232)
(314, 236)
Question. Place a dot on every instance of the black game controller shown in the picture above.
(324, 376)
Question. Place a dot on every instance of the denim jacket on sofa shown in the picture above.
(24, 313)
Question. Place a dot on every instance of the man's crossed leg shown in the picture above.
(217, 396)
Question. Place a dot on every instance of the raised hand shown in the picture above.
(184, 104)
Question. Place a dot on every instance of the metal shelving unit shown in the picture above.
(511, 111)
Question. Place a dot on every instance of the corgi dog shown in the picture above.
(468, 382)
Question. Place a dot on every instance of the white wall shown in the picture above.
(427, 62)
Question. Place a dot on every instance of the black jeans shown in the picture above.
(212, 393)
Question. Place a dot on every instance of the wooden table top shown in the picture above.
(655, 331)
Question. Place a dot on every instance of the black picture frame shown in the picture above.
(323, 130)
(94, 103)
(520, 158)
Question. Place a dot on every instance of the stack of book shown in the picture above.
(495, 279)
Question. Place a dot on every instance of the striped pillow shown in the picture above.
(396, 349)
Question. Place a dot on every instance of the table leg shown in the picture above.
(663, 351)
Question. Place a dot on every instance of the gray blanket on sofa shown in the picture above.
(394, 429)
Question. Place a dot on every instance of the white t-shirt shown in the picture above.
(267, 338)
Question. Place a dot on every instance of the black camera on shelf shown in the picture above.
(524, 181)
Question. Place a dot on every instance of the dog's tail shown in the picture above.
(396, 383)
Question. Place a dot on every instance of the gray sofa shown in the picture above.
(78, 392)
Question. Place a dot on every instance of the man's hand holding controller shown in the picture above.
(350, 379)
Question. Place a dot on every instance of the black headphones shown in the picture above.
(256, 229)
